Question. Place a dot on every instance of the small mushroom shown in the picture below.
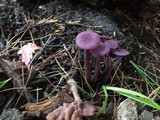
(100, 51)
(119, 54)
(112, 44)
(87, 41)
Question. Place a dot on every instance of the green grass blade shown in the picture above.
(105, 102)
(142, 72)
(146, 75)
(4, 82)
(83, 91)
(135, 96)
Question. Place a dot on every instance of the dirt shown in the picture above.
(53, 26)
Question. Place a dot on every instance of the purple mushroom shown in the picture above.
(99, 51)
(112, 44)
(119, 54)
(87, 41)
(103, 49)
(92, 42)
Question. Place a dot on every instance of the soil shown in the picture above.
(53, 26)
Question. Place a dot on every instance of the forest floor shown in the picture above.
(40, 87)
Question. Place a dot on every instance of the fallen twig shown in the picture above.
(38, 54)
(73, 87)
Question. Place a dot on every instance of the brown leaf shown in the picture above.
(87, 109)
(50, 104)
(72, 111)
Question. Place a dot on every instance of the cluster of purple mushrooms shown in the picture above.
(93, 43)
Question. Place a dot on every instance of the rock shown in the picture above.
(156, 118)
(11, 114)
(146, 115)
(127, 110)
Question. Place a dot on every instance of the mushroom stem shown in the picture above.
(117, 62)
(96, 69)
(86, 64)
(107, 64)
(114, 65)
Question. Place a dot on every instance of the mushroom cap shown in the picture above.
(102, 49)
(87, 40)
(104, 37)
(113, 44)
(120, 52)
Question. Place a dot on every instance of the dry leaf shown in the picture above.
(27, 52)
(50, 104)
(72, 111)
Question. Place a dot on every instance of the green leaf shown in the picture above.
(105, 102)
(135, 96)
(4, 82)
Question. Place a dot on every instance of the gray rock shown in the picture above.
(127, 110)
(156, 118)
(11, 114)
(146, 115)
